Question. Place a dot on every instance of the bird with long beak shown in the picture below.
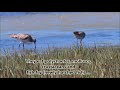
(24, 38)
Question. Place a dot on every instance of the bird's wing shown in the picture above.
(20, 36)
(24, 36)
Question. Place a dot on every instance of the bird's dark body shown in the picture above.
(79, 35)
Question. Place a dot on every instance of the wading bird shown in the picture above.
(79, 35)
(24, 38)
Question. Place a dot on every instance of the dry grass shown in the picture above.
(105, 62)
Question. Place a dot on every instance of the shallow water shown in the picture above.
(59, 36)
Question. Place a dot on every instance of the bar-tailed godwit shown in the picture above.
(24, 38)
(79, 35)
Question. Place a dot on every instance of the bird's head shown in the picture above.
(76, 32)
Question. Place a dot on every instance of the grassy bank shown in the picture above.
(105, 62)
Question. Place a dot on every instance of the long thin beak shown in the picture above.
(35, 44)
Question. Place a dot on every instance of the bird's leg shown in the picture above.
(77, 43)
(19, 45)
(80, 42)
(35, 45)
(23, 45)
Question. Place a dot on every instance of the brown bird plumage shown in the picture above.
(79, 35)
(20, 36)
(24, 38)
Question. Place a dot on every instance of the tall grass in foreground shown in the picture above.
(105, 62)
